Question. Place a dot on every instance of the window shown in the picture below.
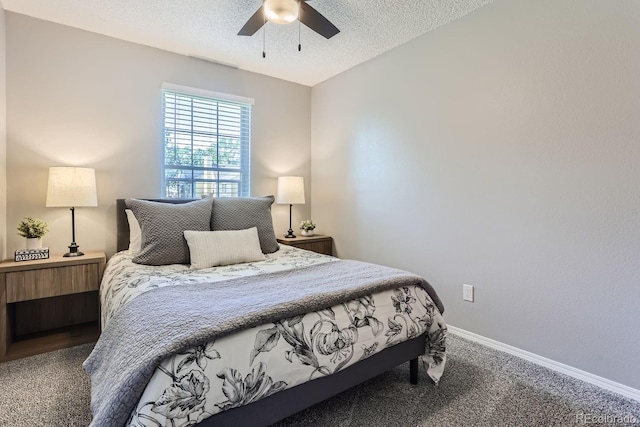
(207, 138)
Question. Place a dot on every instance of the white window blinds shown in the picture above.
(207, 141)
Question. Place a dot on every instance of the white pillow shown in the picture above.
(213, 248)
(135, 235)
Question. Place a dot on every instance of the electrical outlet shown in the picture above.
(467, 292)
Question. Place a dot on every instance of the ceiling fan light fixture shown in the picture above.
(281, 11)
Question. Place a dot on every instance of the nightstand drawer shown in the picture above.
(51, 282)
(319, 247)
(320, 244)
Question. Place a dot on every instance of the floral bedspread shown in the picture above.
(123, 280)
(254, 363)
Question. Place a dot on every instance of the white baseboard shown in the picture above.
(587, 377)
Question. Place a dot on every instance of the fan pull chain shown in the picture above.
(264, 37)
(299, 43)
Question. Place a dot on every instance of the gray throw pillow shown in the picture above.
(162, 227)
(240, 213)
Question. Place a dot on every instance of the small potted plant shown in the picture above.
(307, 227)
(32, 229)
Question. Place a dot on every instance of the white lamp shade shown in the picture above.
(71, 187)
(281, 11)
(291, 190)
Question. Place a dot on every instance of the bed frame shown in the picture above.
(287, 402)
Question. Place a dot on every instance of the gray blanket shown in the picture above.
(170, 320)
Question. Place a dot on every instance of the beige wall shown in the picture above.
(3, 137)
(79, 98)
(501, 150)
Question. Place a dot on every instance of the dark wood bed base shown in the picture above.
(276, 407)
(287, 402)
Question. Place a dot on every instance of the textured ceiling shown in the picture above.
(207, 29)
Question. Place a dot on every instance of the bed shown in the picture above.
(267, 370)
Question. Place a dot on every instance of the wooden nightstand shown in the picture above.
(49, 304)
(319, 244)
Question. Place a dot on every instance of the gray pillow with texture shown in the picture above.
(240, 213)
(162, 227)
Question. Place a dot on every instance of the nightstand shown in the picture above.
(49, 304)
(319, 244)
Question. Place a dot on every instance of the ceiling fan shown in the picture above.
(285, 12)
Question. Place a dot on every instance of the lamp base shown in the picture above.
(290, 235)
(73, 251)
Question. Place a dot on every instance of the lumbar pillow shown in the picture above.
(240, 213)
(162, 227)
(213, 248)
(135, 234)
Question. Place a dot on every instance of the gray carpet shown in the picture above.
(480, 387)
(50, 389)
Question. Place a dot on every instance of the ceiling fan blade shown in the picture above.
(253, 24)
(314, 20)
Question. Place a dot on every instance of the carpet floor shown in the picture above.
(480, 387)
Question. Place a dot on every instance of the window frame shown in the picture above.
(245, 138)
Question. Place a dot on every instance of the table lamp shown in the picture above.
(72, 187)
(291, 192)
